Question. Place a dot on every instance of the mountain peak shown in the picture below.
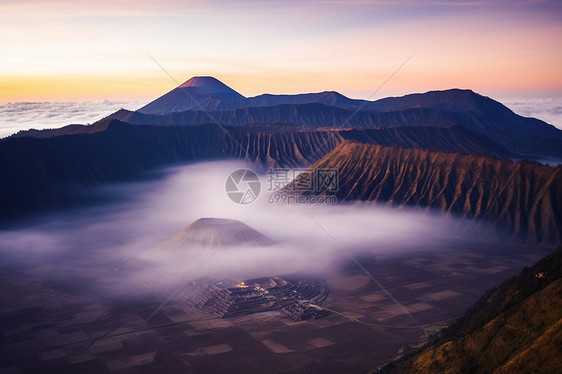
(196, 92)
(208, 85)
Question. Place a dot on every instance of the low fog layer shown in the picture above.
(45, 115)
(546, 109)
(118, 248)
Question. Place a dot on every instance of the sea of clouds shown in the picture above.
(546, 109)
(45, 115)
(116, 249)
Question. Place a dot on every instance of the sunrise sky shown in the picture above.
(54, 50)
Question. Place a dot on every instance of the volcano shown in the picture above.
(197, 93)
(216, 232)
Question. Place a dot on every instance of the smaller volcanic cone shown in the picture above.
(213, 232)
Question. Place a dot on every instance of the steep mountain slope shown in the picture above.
(197, 92)
(435, 108)
(455, 100)
(311, 115)
(514, 328)
(515, 201)
(520, 135)
(46, 172)
(482, 114)
(450, 139)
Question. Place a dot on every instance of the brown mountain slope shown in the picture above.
(518, 201)
(514, 328)
(43, 170)
(522, 340)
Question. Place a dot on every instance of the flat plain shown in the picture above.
(58, 328)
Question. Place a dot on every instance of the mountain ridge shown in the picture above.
(205, 99)
(41, 170)
(526, 137)
(287, 135)
(513, 201)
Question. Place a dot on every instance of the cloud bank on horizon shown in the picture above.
(15, 117)
(546, 109)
